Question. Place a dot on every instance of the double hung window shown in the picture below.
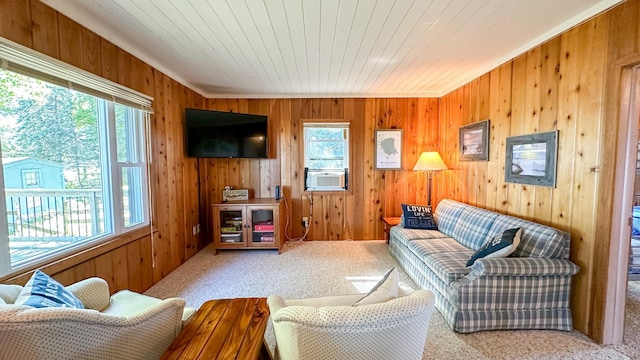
(326, 156)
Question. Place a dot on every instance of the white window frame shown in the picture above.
(136, 148)
(25, 61)
(36, 172)
(338, 178)
(5, 255)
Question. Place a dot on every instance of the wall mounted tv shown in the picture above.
(218, 134)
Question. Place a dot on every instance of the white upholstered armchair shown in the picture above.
(331, 328)
(126, 325)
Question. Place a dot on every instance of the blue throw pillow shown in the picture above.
(502, 245)
(42, 291)
(418, 217)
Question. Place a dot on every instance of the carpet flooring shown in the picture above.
(324, 268)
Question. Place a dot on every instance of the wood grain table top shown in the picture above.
(391, 220)
(223, 329)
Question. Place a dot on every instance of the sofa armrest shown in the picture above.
(92, 292)
(523, 267)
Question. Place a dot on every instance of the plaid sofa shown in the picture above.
(528, 290)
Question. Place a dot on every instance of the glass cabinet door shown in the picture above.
(262, 227)
(231, 226)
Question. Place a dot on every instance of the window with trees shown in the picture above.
(87, 174)
(326, 156)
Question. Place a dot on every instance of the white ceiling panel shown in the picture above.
(327, 48)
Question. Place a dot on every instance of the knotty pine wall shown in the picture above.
(355, 214)
(561, 84)
(565, 85)
(139, 259)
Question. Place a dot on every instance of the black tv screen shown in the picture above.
(218, 134)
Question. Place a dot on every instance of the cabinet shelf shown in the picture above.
(251, 224)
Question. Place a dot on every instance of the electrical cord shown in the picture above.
(286, 225)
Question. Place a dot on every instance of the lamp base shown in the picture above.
(429, 173)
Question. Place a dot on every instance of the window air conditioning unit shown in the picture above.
(326, 180)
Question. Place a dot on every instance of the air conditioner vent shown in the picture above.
(325, 180)
(328, 180)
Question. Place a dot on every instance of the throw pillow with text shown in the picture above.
(418, 217)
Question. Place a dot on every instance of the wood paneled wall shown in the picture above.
(560, 85)
(355, 214)
(140, 259)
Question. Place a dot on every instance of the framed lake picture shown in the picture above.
(474, 141)
(388, 149)
(531, 159)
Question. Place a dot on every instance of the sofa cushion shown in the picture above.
(444, 257)
(473, 225)
(424, 247)
(449, 266)
(42, 291)
(386, 289)
(447, 214)
(501, 245)
(537, 240)
(417, 217)
(403, 235)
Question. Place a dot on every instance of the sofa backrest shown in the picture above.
(472, 226)
(446, 214)
(537, 240)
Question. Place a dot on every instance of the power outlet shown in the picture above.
(194, 230)
(305, 221)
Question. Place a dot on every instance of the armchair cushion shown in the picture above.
(386, 289)
(42, 291)
(9, 293)
(128, 303)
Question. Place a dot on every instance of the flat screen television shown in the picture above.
(218, 134)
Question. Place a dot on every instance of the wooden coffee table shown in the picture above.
(224, 329)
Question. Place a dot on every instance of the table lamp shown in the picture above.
(430, 162)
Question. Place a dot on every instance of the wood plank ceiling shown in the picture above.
(327, 48)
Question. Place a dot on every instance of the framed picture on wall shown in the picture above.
(388, 149)
(531, 159)
(474, 141)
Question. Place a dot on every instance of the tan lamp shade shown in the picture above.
(430, 161)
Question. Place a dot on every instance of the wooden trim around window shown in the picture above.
(88, 252)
